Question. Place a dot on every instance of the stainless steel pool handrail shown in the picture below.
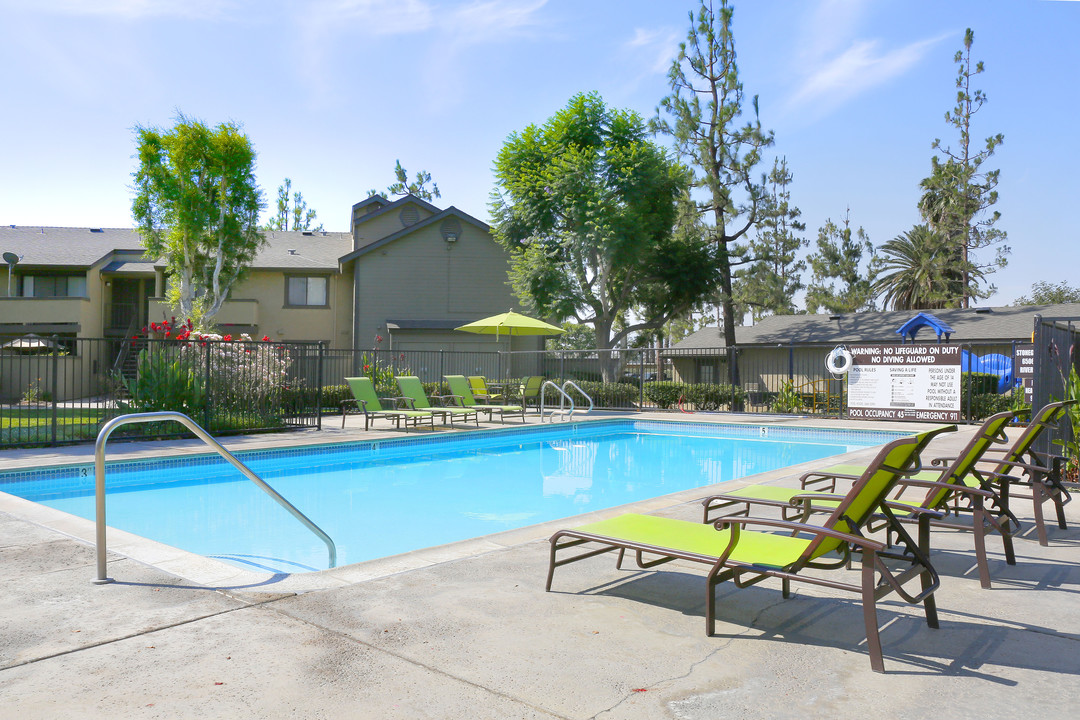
(562, 392)
(99, 479)
(584, 394)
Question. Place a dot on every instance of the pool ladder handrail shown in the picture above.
(543, 388)
(577, 387)
(99, 479)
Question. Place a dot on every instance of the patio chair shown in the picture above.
(363, 391)
(749, 556)
(480, 390)
(983, 509)
(530, 390)
(1042, 474)
(459, 387)
(413, 391)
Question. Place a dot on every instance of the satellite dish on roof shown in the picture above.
(11, 258)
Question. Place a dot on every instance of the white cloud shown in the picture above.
(833, 65)
(862, 66)
(658, 47)
(491, 20)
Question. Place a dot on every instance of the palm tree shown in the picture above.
(916, 272)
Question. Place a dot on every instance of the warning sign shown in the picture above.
(904, 382)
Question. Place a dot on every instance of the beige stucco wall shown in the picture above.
(259, 300)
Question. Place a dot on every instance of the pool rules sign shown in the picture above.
(904, 382)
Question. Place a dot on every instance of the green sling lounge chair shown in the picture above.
(364, 395)
(530, 390)
(1041, 474)
(984, 511)
(480, 390)
(413, 391)
(749, 556)
(459, 388)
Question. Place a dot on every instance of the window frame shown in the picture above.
(307, 276)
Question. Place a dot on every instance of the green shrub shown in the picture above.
(787, 400)
(604, 395)
(664, 394)
(708, 397)
(165, 381)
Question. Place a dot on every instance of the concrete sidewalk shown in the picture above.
(477, 637)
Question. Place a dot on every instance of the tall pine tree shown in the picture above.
(840, 283)
(959, 193)
(768, 286)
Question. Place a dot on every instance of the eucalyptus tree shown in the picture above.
(704, 111)
(843, 269)
(959, 192)
(292, 213)
(197, 206)
(913, 272)
(586, 205)
(768, 285)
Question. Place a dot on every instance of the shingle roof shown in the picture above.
(69, 247)
(82, 247)
(1000, 324)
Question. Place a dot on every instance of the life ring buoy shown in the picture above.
(838, 362)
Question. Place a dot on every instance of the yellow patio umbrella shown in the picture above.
(511, 323)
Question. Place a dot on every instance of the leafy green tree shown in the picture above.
(769, 284)
(959, 193)
(840, 257)
(914, 271)
(402, 186)
(1048, 293)
(197, 205)
(704, 111)
(295, 216)
(576, 337)
(586, 204)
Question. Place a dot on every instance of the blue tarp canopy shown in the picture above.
(911, 328)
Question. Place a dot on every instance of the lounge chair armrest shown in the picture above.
(817, 478)
(858, 540)
(452, 400)
(1016, 464)
(955, 487)
(407, 402)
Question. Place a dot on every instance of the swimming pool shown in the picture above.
(382, 498)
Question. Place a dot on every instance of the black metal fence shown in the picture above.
(1056, 374)
(59, 391)
(64, 390)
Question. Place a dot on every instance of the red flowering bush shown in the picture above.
(231, 373)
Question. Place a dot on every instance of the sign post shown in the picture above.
(904, 382)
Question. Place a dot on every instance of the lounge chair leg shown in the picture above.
(1038, 498)
(618, 562)
(926, 578)
(786, 588)
(869, 603)
(979, 531)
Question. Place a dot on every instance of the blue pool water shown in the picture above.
(383, 498)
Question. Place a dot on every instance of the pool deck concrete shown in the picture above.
(467, 631)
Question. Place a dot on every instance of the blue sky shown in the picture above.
(332, 92)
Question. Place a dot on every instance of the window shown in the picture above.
(306, 291)
(54, 286)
